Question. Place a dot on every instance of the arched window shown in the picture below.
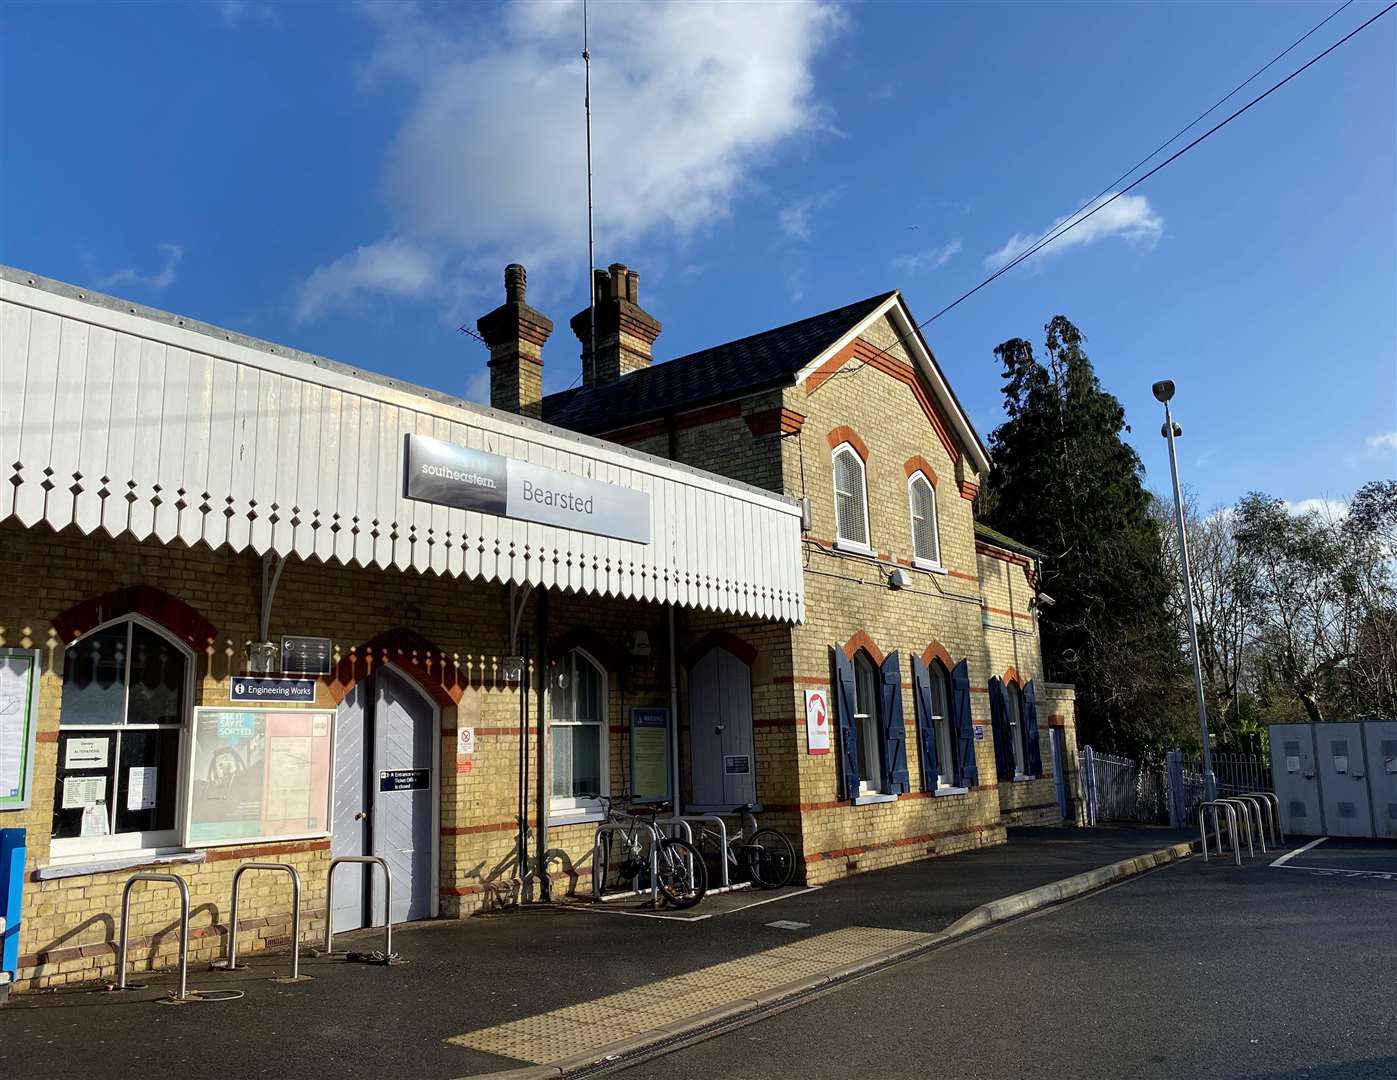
(1014, 696)
(127, 693)
(926, 542)
(941, 722)
(578, 733)
(850, 498)
(866, 716)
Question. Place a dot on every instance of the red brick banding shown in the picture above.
(770, 421)
(937, 651)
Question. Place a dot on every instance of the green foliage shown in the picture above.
(1066, 483)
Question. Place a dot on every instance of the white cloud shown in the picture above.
(794, 218)
(236, 12)
(391, 267)
(1330, 509)
(159, 281)
(1386, 440)
(488, 165)
(1131, 218)
(930, 260)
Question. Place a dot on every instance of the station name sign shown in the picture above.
(439, 472)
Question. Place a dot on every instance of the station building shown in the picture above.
(262, 606)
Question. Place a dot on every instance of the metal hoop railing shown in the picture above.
(372, 860)
(1217, 808)
(1274, 804)
(613, 826)
(717, 819)
(1246, 813)
(232, 961)
(172, 879)
(1261, 819)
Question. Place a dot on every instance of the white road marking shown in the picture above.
(676, 917)
(1377, 875)
(1299, 851)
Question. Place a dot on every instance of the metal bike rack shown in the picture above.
(622, 827)
(1261, 819)
(231, 963)
(1246, 819)
(173, 879)
(373, 860)
(722, 839)
(1274, 803)
(1217, 807)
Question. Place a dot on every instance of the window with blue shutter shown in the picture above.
(926, 726)
(848, 727)
(895, 778)
(1033, 754)
(999, 723)
(967, 771)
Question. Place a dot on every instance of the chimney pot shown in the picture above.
(516, 280)
(625, 332)
(515, 334)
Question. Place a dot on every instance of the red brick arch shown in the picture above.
(916, 463)
(160, 607)
(861, 640)
(589, 641)
(1011, 675)
(937, 651)
(720, 639)
(432, 669)
(845, 434)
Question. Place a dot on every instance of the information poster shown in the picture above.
(817, 721)
(650, 755)
(259, 774)
(19, 692)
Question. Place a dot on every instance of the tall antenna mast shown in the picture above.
(591, 237)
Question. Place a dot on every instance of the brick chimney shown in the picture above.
(625, 331)
(515, 334)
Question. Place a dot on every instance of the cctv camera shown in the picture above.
(1163, 390)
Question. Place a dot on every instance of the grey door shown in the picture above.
(1295, 779)
(720, 732)
(1380, 737)
(385, 797)
(1059, 742)
(1343, 779)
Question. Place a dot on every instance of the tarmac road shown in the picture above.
(1195, 971)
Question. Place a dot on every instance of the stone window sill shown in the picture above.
(929, 566)
(109, 864)
(874, 797)
(950, 791)
(558, 821)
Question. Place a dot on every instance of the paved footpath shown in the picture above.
(498, 991)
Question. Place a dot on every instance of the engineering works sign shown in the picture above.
(439, 472)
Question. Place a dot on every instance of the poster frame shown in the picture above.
(30, 734)
(649, 714)
(260, 838)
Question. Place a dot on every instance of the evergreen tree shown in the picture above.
(1064, 482)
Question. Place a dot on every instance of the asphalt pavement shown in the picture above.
(355, 1020)
(1197, 971)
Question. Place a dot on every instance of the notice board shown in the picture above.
(19, 722)
(650, 755)
(259, 774)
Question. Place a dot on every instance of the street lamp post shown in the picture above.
(1163, 391)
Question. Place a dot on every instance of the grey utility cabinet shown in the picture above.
(1336, 779)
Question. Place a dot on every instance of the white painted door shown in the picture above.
(720, 732)
(353, 804)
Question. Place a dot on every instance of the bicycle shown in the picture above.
(765, 854)
(681, 876)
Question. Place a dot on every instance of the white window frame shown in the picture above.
(918, 561)
(1014, 706)
(941, 726)
(561, 810)
(843, 543)
(152, 842)
(869, 728)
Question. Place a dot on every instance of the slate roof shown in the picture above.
(769, 359)
(998, 539)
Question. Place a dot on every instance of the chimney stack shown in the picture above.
(515, 334)
(625, 331)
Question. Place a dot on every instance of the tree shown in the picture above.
(1066, 483)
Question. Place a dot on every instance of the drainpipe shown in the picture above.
(541, 761)
(673, 716)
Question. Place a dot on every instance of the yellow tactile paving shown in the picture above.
(577, 1029)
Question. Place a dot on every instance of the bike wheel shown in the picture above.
(683, 875)
(770, 859)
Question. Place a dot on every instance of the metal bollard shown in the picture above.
(173, 879)
(387, 900)
(232, 962)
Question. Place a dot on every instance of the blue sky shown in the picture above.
(350, 179)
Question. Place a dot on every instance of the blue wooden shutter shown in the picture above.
(967, 771)
(926, 727)
(1033, 756)
(848, 727)
(895, 779)
(999, 721)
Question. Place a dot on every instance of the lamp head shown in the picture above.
(1163, 390)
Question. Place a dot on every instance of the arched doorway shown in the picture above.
(721, 755)
(387, 746)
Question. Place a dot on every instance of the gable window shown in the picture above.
(926, 543)
(577, 732)
(850, 499)
(1014, 700)
(126, 702)
(940, 680)
(866, 716)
